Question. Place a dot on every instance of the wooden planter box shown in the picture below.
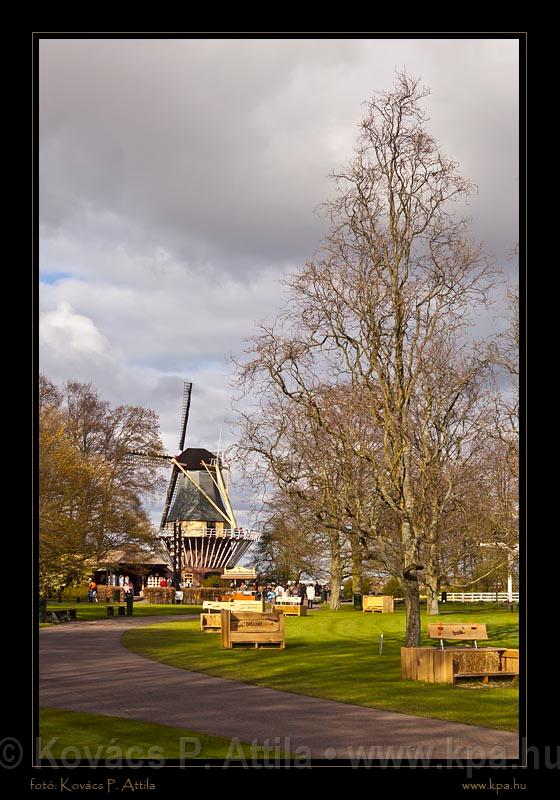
(210, 622)
(434, 665)
(384, 604)
(248, 628)
(290, 609)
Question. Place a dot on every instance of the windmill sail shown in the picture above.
(187, 389)
(171, 489)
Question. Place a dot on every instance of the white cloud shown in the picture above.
(64, 331)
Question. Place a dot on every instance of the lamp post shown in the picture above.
(176, 556)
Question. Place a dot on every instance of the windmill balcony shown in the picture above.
(245, 534)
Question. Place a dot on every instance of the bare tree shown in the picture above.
(504, 355)
(295, 454)
(396, 273)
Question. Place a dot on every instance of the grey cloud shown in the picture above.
(219, 150)
(179, 181)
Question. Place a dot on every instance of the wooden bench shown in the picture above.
(250, 628)
(233, 605)
(61, 615)
(211, 622)
(111, 611)
(291, 606)
(378, 603)
(451, 664)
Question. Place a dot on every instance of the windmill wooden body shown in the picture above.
(198, 525)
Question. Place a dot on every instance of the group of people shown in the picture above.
(306, 591)
(125, 584)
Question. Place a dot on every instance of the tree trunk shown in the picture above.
(431, 594)
(431, 580)
(410, 586)
(357, 566)
(336, 571)
(412, 608)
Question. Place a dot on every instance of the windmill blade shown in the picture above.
(187, 388)
(145, 458)
(169, 496)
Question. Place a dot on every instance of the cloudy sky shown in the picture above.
(179, 181)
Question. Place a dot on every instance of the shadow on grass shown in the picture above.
(337, 657)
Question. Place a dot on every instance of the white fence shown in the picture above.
(482, 597)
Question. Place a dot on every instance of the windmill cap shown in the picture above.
(192, 457)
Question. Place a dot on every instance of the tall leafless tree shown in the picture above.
(397, 272)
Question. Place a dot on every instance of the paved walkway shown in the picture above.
(84, 667)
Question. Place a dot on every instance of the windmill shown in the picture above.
(198, 524)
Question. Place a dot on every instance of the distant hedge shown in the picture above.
(106, 593)
(160, 595)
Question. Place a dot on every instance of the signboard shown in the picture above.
(257, 629)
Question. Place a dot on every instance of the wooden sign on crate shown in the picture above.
(250, 628)
(474, 631)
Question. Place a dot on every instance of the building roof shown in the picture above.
(190, 505)
(134, 555)
(192, 458)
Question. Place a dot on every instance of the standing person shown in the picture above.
(310, 592)
(163, 583)
(92, 591)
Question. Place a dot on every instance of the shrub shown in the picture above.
(105, 593)
(72, 592)
(212, 580)
(347, 589)
(159, 595)
(393, 588)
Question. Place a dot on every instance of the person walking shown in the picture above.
(310, 592)
(92, 592)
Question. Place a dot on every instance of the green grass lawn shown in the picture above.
(336, 655)
(90, 611)
(97, 736)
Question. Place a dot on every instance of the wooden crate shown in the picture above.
(211, 622)
(290, 609)
(510, 660)
(426, 664)
(475, 661)
(250, 628)
(383, 603)
(434, 665)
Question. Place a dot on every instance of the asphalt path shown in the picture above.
(85, 667)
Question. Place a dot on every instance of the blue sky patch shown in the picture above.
(53, 277)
